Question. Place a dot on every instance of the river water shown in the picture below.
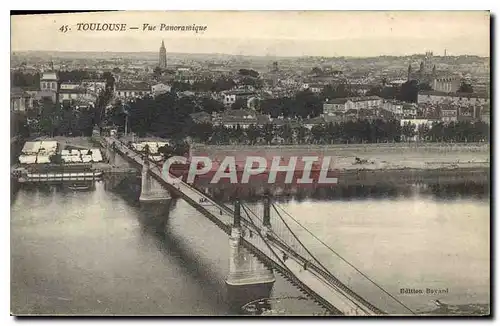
(100, 252)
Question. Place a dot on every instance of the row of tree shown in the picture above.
(361, 131)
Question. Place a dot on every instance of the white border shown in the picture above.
(184, 5)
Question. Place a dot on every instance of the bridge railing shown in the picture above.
(345, 276)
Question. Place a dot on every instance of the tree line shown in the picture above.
(349, 132)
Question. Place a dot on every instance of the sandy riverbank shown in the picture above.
(378, 156)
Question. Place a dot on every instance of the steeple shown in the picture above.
(434, 70)
(162, 62)
(409, 71)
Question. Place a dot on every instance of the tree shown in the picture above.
(424, 87)
(210, 105)
(423, 131)
(253, 134)
(465, 88)
(316, 71)
(157, 72)
(240, 103)
(409, 92)
(248, 72)
(202, 131)
(408, 130)
(318, 133)
(286, 133)
(56, 159)
(302, 134)
(339, 90)
(268, 133)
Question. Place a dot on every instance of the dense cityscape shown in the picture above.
(222, 99)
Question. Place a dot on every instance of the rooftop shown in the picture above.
(49, 76)
(467, 95)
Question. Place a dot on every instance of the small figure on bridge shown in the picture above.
(285, 256)
(251, 234)
(305, 265)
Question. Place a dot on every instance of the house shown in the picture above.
(315, 88)
(94, 85)
(69, 86)
(446, 84)
(435, 97)
(243, 118)
(263, 119)
(201, 117)
(310, 123)
(395, 107)
(363, 102)
(351, 103)
(409, 110)
(160, 89)
(230, 97)
(75, 93)
(449, 113)
(336, 105)
(469, 113)
(20, 101)
(135, 90)
(485, 113)
(50, 95)
(49, 81)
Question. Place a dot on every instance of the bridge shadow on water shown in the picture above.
(154, 219)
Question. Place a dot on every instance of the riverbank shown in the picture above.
(427, 156)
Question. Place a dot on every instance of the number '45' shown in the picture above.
(64, 28)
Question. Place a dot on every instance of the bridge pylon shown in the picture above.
(111, 154)
(151, 190)
(248, 278)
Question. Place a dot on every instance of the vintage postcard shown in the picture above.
(316, 163)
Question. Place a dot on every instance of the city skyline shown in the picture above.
(281, 34)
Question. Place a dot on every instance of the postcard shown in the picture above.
(216, 163)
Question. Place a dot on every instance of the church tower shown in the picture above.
(163, 56)
(409, 71)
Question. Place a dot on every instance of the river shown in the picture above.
(100, 252)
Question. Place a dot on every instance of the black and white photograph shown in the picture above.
(250, 163)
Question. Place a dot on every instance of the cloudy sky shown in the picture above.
(293, 33)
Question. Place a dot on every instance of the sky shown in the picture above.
(271, 33)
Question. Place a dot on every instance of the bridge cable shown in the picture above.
(347, 262)
(326, 271)
(157, 165)
(264, 239)
(278, 257)
(282, 261)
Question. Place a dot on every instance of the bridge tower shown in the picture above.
(111, 153)
(248, 278)
(151, 190)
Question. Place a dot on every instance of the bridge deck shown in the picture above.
(314, 280)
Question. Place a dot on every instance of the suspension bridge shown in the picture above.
(272, 241)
